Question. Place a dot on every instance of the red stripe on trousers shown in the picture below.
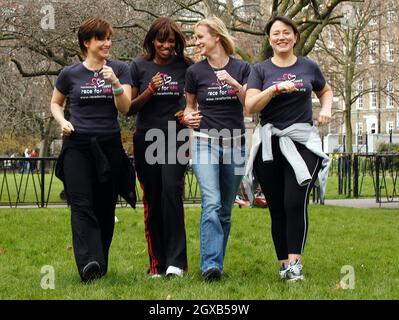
(154, 261)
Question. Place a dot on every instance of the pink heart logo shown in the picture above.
(166, 79)
(291, 77)
(100, 82)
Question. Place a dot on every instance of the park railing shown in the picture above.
(31, 181)
(362, 175)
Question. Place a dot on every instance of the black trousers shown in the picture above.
(287, 200)
(92, 203)
(162, 185)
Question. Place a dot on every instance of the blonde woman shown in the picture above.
(215, 91)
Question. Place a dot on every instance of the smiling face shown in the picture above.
(165, 48)
(204, 40)
(282, 37)
(99, 47)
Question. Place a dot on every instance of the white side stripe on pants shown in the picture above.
(305, 205)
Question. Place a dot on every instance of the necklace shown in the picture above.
(96, 72)
(223, 65)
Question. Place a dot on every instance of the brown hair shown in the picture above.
(160, 29)
(286, 21)
(93, 27)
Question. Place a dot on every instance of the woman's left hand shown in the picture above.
(324, 118)
(108, 74)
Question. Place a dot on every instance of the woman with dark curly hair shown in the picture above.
(158, 95)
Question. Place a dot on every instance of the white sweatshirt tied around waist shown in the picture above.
(303, 133)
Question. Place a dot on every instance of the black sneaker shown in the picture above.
(213, 274)
(91, 271)
(283, 271)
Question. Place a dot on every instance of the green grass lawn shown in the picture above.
(366, 239)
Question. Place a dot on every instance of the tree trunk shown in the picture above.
(47, 138)
(348, 126)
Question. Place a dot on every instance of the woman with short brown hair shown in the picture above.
(92, 163)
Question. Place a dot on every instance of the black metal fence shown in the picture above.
(31, 181)
(353, 169)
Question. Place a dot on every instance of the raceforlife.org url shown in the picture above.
(205, 309)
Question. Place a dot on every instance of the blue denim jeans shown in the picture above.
(219, 171)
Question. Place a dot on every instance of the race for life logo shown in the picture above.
(169, 87)
(96, 88)
(220, 90)
(299, 84)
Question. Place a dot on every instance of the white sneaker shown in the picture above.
(116, 219)
(174, 271)
(295, 272)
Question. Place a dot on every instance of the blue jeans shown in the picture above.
(219, 171)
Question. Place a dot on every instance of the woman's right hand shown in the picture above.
(193, 119)
(66, 128)
(157, 81)
(285, 87)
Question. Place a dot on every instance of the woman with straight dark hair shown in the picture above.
(286, 155)
(92, 163)
(158, 95)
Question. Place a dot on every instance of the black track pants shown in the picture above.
(162, 185)
(287, 201)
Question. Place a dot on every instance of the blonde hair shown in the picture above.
(218, 28)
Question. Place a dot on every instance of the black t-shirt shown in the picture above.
(92, 106)
(218, 102)
(167, 100)
(287, 108)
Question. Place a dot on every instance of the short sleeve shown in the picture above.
(318, 81)
(191, 83)
(255, 79)
(124, 74)
(246, 72)
(134, 73)
(62, 83)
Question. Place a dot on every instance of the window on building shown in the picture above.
(373, 130)
(359, 90)
(373, 20)
(373, 51)
(359, 133)
(359, 55)
(390, 94)
(389, 126)
(390, 53)
(373, 94)
(390, 16)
